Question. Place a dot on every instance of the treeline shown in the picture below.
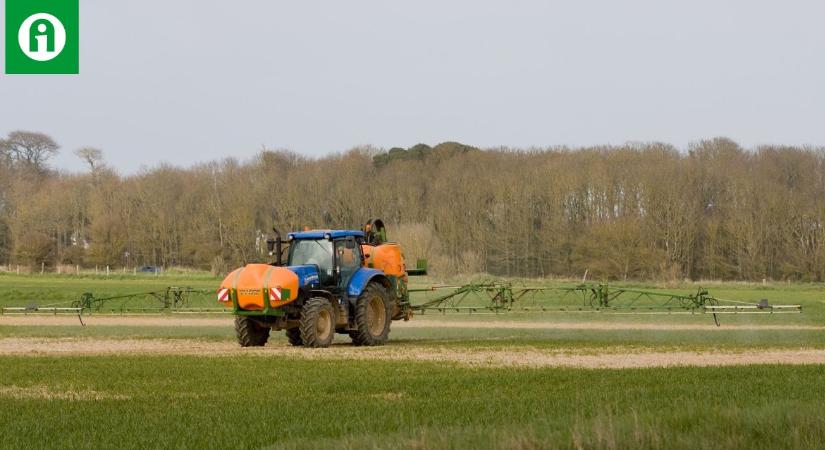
(641, 211)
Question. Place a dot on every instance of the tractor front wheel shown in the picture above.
(250, 333)
(373, 314)
(317, 323)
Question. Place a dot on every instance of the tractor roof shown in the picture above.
(320, 234)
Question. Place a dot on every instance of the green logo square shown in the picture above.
(42, 36)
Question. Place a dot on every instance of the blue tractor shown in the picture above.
(349, 282)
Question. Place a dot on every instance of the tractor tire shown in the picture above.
(294, 336)
(250, 333)
(317, 326)
(373, 315)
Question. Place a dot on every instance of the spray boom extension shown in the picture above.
(592, 297)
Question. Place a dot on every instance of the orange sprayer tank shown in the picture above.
(249, 283)
(385, 257)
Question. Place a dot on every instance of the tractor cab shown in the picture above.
(334, 254)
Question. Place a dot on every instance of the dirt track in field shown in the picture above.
(224, 321)
(471, 357)
(52, 393)
(116, 321)
(428, 323)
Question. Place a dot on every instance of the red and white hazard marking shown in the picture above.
(275, 294)
(223, 295)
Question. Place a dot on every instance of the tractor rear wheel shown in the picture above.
(294, 336)
(373, 314)
(250, 333)
(317, 323)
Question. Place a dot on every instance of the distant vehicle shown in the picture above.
(149, 269)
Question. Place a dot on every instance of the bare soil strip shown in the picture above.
(52, 393)
(226, 321)
(115, 321)
(593, 325)
(475, 357)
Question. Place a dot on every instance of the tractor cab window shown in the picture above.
(348, 256)
(317, 252)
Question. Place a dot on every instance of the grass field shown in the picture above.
(454, 382)
(252, 402)
(47, 290)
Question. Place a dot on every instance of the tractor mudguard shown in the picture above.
(362, 278)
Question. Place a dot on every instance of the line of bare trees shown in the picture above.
(642, 211)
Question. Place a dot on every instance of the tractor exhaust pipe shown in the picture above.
(275, 247)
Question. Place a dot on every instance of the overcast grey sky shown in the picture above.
(191, 81)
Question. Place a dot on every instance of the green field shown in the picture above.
(57, 290)
(253, 402)
(281, 400)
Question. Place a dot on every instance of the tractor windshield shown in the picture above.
(317, 252)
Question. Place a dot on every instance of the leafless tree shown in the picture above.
(91, 156)
(32, 149)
